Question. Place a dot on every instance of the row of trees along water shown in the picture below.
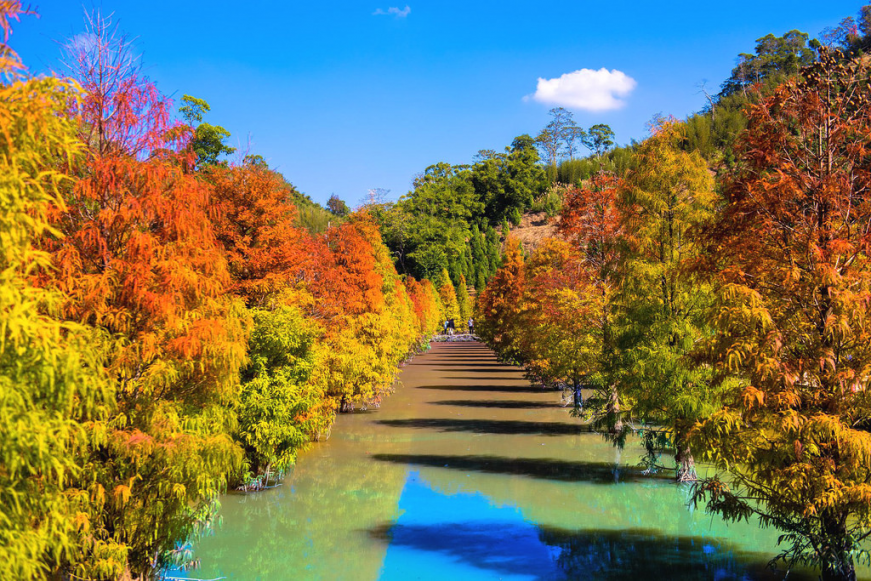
(714, 297)
(169, 326)
(174, 324)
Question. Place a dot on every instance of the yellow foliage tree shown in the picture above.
(448, 295)
(53, 392)
(464, 302)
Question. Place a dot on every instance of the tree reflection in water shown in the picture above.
(538, 552)
(609, 555)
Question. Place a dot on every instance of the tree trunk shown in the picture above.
(618, 455)
(837, 562)
(686, 464)
(615, 422)
(844, 572)
(577, 396)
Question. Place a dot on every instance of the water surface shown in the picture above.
(469, 472)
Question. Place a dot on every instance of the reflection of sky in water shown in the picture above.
(463, 536)
(466, 536)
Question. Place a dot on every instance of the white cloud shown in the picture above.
(397, 12)
(586, 89)
(85, 42)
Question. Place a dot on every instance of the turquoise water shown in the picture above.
(469, 472)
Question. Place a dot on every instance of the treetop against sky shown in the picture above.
(343, 97)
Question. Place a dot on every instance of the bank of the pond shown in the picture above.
(470, 472)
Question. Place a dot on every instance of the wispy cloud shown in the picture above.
(85, 41)
(586, 89)
(393, 11)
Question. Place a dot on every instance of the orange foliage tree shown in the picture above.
(498, 322)
(555, 339)
(424, 299)
(165, 327)
(255, 222)
(591, 219)
(138, 258)
(369, 317)
(332, 303)
(280, 409)
(794, 341)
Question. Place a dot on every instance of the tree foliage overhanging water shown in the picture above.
(174, 324)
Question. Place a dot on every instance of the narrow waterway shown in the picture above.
(469, 472)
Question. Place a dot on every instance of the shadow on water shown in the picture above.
(495, 403)
(540, 468)
(475, 368)
(600, 555)
(499, 388)
(645, 554)
(512, 427)
(464, 364)
(456, 357)
(455, 363)
(501, 548)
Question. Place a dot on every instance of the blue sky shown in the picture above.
(342, 97)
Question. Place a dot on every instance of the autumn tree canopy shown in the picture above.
(794, 283)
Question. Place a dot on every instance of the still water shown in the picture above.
(469, 472)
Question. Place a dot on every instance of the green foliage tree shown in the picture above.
(523, 178)
(599, 139)
(509, 181)
(464, 302)
(775, 59)
(713, 131)
(617, 161)
(660, 318)
(277, 398)
(337, 206)
(439, 224)
(561, 137)
(208, 140)
(427, 229)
